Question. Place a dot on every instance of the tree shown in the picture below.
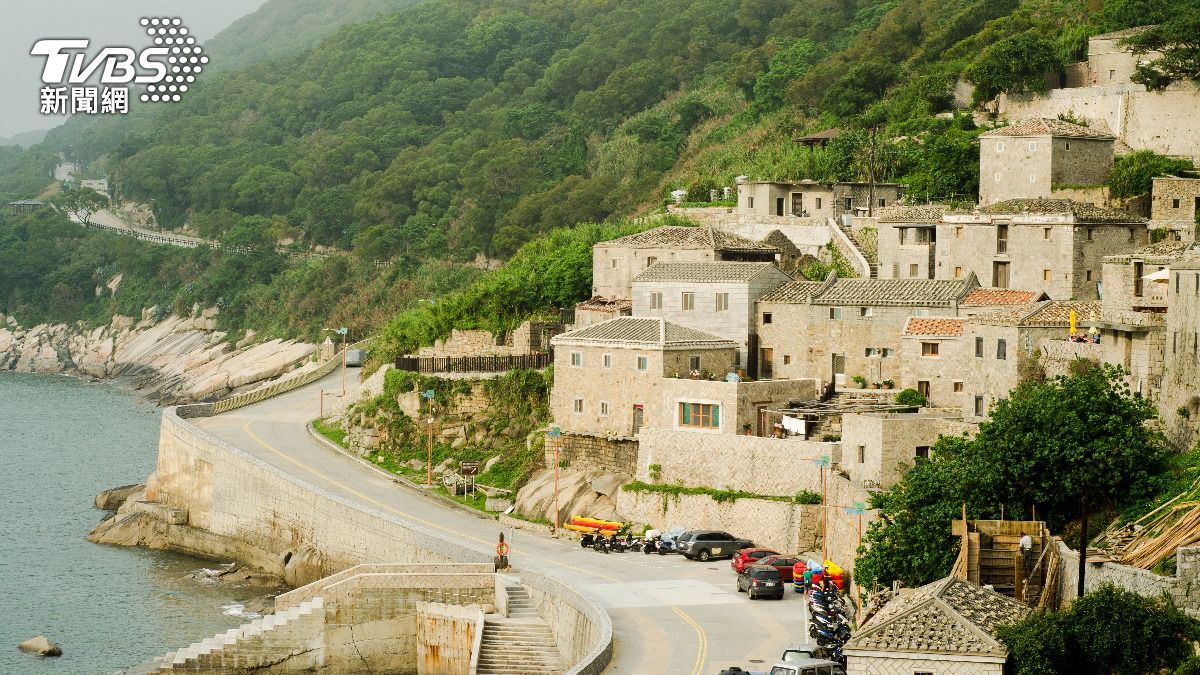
(1017, 64)
(80, 204)
(1178, 39)
(1110, 630)
(1132, 174)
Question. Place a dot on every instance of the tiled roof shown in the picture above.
(672, 236)
(950, 616)
(1046, 126)
(1051, 313)
(1000, 296)
(717, 271)
(1121, 34)
(916, 292)
(792, 291)
(641, 331)
(599, 303)
(925, 213)
(1083, 213)
(934, 326)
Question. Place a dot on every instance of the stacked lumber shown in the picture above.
(1157, 540)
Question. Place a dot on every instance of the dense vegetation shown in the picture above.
(1061, 447)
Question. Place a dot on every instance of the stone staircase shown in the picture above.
(521, 644)
(262, 642)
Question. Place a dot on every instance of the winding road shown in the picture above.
(670, 615)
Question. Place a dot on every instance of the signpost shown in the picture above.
(428, 395)
(469, 468)
(554, 433)
(823, 462)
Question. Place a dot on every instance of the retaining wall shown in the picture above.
(583, 630)
(1182, 587)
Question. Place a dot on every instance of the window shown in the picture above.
(903, 236)
(1000, 146)
(694, 362)
(913, 270)
(922, 452)
(656, 300)
(1032, 178)
(607, 359)
(750, 202)
(836, 313)
(888, 352)
(849, 203)
(1139, 268)
(700, 415)
(957, 272)
(577, 406)
(871, 352)
(722, 302)
(958, 232)
(787, 359)
(614, 263)
(929, 349)
(1032, 146)
(650, 260)
(604, 408)
(979, 348)
(862, 454)
(1174, 203)
(882, 201)
(576, 359)
(958, 387)
(1112, 74)
(1129, 230)
(866, 312)
(1091, 234)
(1088, 274)
(1001, 350)
(689, 301)
(996, 176)
(978, 406)
(1047, 275)
(767, 317)
(1046, 233)
(818, 202)
(1001, 239)
(1068, 146)
(643, 363)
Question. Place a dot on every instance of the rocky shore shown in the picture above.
(170, 358)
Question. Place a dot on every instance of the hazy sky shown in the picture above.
(104, 23)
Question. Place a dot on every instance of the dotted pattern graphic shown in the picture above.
(184, 62)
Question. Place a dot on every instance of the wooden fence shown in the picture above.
(473, 364)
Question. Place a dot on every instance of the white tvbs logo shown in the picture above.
(166, 69)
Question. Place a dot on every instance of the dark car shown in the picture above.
(783, 563)
(749, 556)
(707, 544)
(761, 581)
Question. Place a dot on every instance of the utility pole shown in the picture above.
(428, 395)
(554, 434)
(344, 332)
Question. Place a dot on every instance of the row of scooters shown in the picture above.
(829, 626)
(660, 543)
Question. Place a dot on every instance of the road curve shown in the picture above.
(670, 615)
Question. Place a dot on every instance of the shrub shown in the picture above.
(1132, 174)
(911, 397)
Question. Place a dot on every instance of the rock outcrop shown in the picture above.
(175, 359)
(41, 646)
(112, 499)
(577, 496)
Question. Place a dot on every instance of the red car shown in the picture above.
(783, 563)
(749, 556)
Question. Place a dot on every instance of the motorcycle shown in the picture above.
(602, 545)
(617, 544)
(650, 546)
(587, 540)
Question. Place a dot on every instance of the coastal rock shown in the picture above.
(575, 497)
(41, 646)
(111, 500)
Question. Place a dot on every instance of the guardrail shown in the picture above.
(473, 364)
(282, 386)
(190, 242)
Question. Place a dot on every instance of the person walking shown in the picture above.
(1026, 554)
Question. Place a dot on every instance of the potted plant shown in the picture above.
(877, 385)
(695, 374)
(889, 384)
(860, 381)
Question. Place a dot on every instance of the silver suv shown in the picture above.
(708, 544)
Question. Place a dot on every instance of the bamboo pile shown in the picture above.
(1157, 539)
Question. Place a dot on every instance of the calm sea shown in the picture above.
(63, 440)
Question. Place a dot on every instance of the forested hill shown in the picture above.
(460, 126)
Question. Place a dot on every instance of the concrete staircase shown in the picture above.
(262, 642)
(521, 644)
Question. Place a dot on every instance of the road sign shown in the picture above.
(554, 432)
(469, 467)
(428, 393)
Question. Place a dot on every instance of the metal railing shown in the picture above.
(473, 364)
(282, 386)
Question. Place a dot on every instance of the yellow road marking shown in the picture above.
(402, 514)
(701, 637)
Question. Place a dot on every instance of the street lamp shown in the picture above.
(343, 331)
(554, 433)
(428, 395)
(823, 462)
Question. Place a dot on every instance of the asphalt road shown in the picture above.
(670, 615)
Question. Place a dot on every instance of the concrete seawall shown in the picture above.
(269, 518)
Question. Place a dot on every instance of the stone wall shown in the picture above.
(739, 401)
(446, 636)
(904, 664)
(581, 452)
(1181, 381)
(878, 447)
(1181, 588)
(725, 462)
(1174, 202)
(582, 630)
(809, 235)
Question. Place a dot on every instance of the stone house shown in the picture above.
(1051, 245)
(1175, 205)
(1031, 158)
(1111, 63)
(907, 240)
(839, 328)
(615, 263)
(877, 447)
(948, 626)
(932, 359)
(722, 407)
(716, 297)
(608, 377)
(597, 309)
(1180, 399)
(984, 300)
(813, 199)
(999, 343)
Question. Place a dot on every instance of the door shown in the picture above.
(797, 203)
(839, 366)
(1000, 274)
(923, 388)
(779, 206)
(766, 363)
(637, 418)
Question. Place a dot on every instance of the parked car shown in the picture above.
(799, 650)
(761, 581)
(749, 556)
(784, 563)
(807, 667)
(707, 544)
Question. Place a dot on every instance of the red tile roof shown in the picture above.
(1000, 296)
(934, 326)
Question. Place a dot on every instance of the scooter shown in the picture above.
(602, 544)
(587, 540)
